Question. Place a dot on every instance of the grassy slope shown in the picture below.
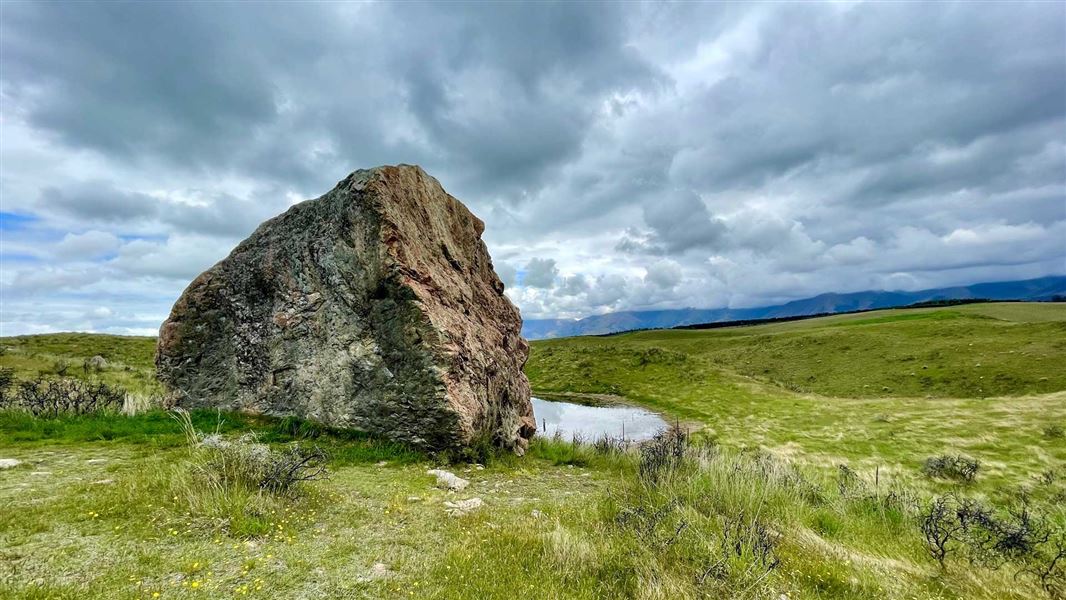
(130, 359)
(885, 389)
(64, 536)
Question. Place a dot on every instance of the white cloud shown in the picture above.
(664, 274)
(644, 156)
(86, 246)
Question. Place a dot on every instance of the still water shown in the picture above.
(593, 422)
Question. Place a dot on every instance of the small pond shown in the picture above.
(593, 422)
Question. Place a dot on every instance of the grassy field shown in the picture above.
(129, 359)
(882, 390)
(112, 506)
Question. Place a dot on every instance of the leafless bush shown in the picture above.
(951, 466)
(847, 480)
(941, 527)
(1018, 535)
(610, 445)
(662, 454)
(747, 539)
(293, 465)
(1051, 570)
(647, 522)
(993, 538)
(51, 398)
(7, 379)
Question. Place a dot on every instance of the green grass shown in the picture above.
(126, 519)
(882, 390)
(87, 517)
(110, 506)
(130, 359)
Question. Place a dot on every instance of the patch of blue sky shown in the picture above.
(10, 221)
(18, 257)
(127, 238)
(128, 297)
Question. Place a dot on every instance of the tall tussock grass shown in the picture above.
(240, 480)
(688, 519)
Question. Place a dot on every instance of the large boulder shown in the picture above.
(374, 307)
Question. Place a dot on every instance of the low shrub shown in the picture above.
(951, 466)
(1049, 568)
(663, 454)
(1054, 431)
(247, 463)
(848, 480)
(989, 537)
(941, 527)
(52, 398)
(7, 379)
(750, 537)
(608, 445)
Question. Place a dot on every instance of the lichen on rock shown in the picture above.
(374, 307)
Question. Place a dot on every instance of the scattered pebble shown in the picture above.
(378, 571)
(463, 507)
(449, 480)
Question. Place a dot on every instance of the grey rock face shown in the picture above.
(374, 307)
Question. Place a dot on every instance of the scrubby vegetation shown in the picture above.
(759, 492)
(882, 390)
(950, 466)
(42, 397)
(247, 463)
(122, 361)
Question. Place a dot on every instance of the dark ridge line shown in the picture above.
(769, 320)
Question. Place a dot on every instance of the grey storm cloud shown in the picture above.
(540, 273)
(100, 202)
(623, 155)
(680, 221)
(664, 274)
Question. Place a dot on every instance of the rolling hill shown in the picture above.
(1042, 289)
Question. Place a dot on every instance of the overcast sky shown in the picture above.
(623, 156)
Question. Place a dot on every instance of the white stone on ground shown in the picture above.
(462, 507)
(449, 480)
(378, 571)
(9, 463)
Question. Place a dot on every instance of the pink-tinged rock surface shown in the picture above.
(374, 307)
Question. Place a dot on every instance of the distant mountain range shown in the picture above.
(1042, 289)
